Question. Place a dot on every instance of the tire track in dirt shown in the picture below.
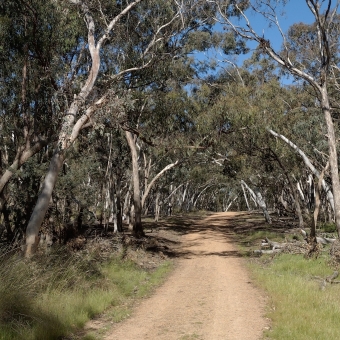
(209, 296)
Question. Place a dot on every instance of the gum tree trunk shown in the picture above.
(137, 225)
(43, 202)
(150, 185)
(259, 200)
(309, 164)
(333, 157)
(70, 127)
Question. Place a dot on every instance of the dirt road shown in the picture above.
(209, 295)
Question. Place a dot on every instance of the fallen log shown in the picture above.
(329, 279)
(291, 247)
(325, 240)
(274, 245)
(295, 247)
(319, 239)
(273, 251)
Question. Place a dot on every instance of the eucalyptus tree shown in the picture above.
(38, 43)
(157, 135)
(71, 124)
(122, 40)
(241, 112)
(317, 72)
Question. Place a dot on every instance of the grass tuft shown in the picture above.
(51, 296)
(299, 309)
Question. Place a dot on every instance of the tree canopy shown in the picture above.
(114, 110)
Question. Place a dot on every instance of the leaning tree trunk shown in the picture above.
(245, 196)
(37, 217)
(148, 186)
(294, 190)
(137, 225)
(309, 164)
(259, 200)
(70, 127)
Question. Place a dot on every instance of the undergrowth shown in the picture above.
(50, 296)
(298, 307)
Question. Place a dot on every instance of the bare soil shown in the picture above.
(208, 296)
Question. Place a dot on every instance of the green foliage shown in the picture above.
(178, 106)
(328, 227)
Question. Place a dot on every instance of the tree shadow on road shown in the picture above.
(211, 225)
(227, 226)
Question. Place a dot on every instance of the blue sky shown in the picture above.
(294, 11)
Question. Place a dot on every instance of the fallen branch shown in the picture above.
(285, 247)
(329, 279)
(273, 251)
(325, 240)
(319, 239)
(274, 245)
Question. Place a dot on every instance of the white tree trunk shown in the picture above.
(298, 187)
(42, 204)
(308, 163)
(70, 130)
(231, 202)
(149, 186)
(259, 200)
(199, 195)
(157, 207)
(137, 226)
(245, 196)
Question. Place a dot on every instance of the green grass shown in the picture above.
(51, 296)
(256, 237)
(328, 228)
(298, 308)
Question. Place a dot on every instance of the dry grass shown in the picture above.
(50, 296)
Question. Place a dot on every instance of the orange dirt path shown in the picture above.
(208, 296)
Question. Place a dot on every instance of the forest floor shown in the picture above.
(209, 295)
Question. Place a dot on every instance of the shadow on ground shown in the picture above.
(224, 226)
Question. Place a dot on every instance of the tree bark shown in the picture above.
(317, 202)
(149, 186)
(137, 225)
(70, 130)
(42, 204)
(309, 164)
(157, 207)
(333, 157)
(260, 201)
(119, 203)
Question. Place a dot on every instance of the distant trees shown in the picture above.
(124, 43)
(111, 101)
(315, 62)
